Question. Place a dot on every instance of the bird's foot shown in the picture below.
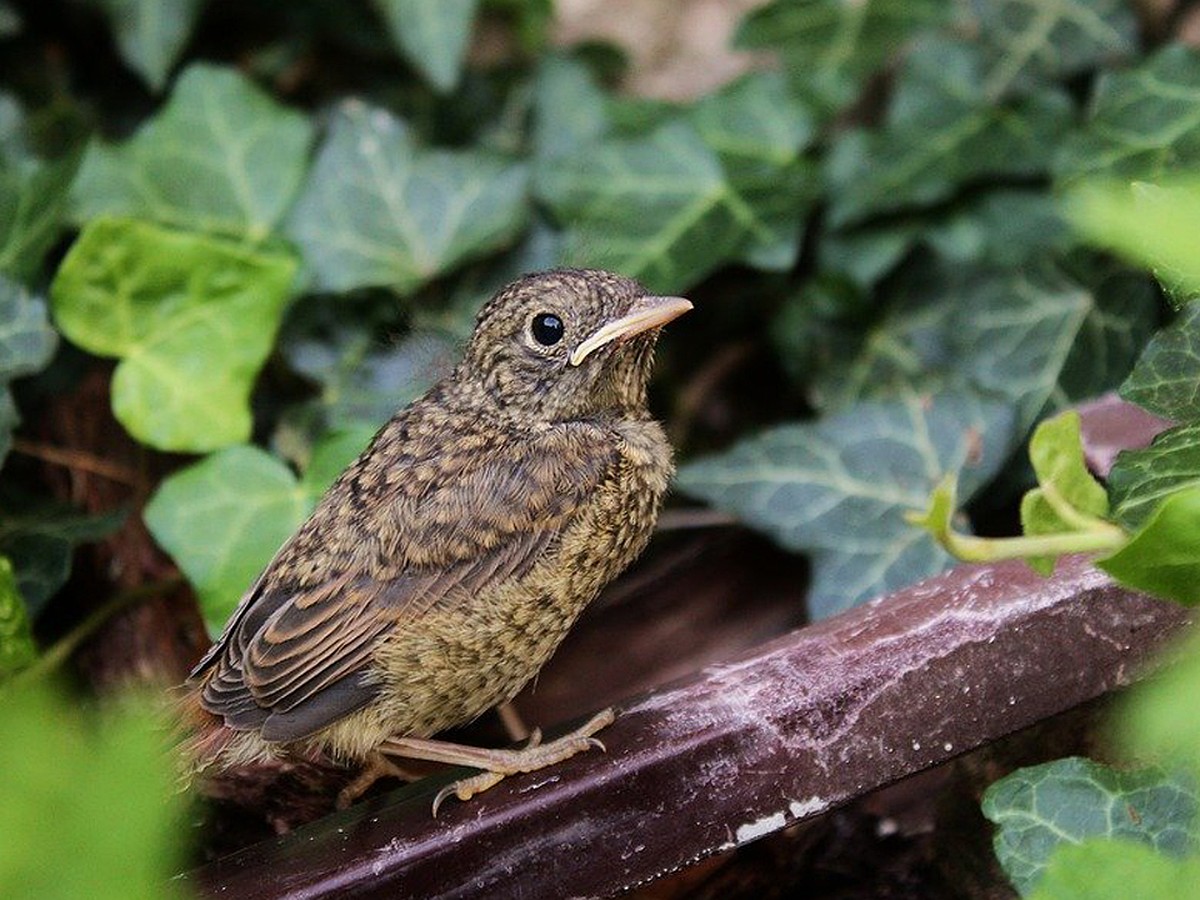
(378, 766)
(496, 764)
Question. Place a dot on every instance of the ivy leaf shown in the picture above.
(377, 211)
(151, 34)
(17, 649)
(220, 157)
(1157, 718)
(432, 34)
(1032, 42)
(10, 21)
(1039, 808)
(830, 46)
(1141, 479)
(26, 344)
(942, 132)
(124, 823)
(1166, 379)
(223, 518)
(191, 317)
(759, 132)
(570, 109)
(1143, 123)
(1163, 556)
(656, 208)
(839, 487)
(1100, 869)
(33, 197)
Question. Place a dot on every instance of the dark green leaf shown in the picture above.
(570, 109)
(839, 488)
(1163, 557)
(378, 211)
(26, 344)
(432, 34)
(942, 132)
(10, 22)
(223, 518)
(830, 46)
(123, 823)
(1069, 800)
(1166, 379)
(17, 649)
(1143, 122)
(1100, 869)
(222, 157)
(191, 317)
(151, 33)
(658, 209)
(1141, 479)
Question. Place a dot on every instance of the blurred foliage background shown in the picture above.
(235, 235)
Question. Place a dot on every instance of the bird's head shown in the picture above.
(567, 344)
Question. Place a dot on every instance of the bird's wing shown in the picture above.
(295, 659)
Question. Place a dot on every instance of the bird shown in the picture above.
(444, 566)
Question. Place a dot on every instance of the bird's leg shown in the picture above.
(378, 766)
(496, 764)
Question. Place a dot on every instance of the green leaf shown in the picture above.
(1039, 808)
(40, 540)
(759, 132)
(220, 157)
(942, 132)
(378, 211)
(1108, 870)
(33, 197)
(26, 344)
(1033, 42)
(1166, 379)
(830, 46)
(151, 33)
(1143, 122)
(223, 518)
(839, 488)
(123, 823)
(1163, 557)
(657, 208)
(17, 649)
(1157, 718)
(10, 21)
(1150, 224)
(432, 34)
(1141, 479)
(191, 317)
(570, 109)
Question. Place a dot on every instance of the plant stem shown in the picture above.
(971, 548)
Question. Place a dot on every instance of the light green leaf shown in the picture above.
(759, 132)
(220, 157)
(942, 132)
(17, 649)
(26, 344)
(123, 823)
(432, 34)
(1166, 379)
(1031, 42)
(658, 208)
(1070, 800)
(378, 211)
(1099, 869)
(192, 319)
(570, 110)
(1144, 124)
(1163, 557)
(1141, 479)
(222, 520)
(151, 33)
(1157, 718)
(830, 46)
(839, 488)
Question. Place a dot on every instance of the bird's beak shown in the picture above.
(646, 313)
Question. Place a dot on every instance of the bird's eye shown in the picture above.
(547, 329)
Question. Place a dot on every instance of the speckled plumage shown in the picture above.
(445, 565)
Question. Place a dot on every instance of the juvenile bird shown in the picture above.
(444, 566)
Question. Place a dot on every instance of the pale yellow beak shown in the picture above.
(646, 313)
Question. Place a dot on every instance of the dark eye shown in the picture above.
(547, 329)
